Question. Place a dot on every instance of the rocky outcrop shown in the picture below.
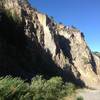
(46, 46)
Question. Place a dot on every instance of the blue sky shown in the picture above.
(83, 14)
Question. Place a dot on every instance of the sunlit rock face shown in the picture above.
(38, 44)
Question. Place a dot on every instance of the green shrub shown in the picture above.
(80, 98)
(52, 89)
(69, 88)
(13, 88)
(39, 89)
(46, 89)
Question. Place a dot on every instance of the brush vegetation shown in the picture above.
(38, 89)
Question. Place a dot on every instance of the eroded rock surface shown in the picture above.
(45, 46)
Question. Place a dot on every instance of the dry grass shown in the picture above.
(72, 97)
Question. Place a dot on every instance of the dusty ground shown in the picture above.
(87, 94)
(70, 97)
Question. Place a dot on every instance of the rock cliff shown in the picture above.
(33, 43)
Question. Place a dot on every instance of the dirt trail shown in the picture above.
(88, 94)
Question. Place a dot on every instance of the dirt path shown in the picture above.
(89, 94)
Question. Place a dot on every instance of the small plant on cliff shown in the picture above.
(85, 60)
(14, 17)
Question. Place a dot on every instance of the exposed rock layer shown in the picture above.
(32, 42)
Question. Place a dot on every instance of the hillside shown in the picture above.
(97, 54)
(32, 43)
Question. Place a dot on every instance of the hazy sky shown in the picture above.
(83, 14)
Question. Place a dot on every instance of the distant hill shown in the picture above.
(97, 53)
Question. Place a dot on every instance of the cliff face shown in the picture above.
(37, 44)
